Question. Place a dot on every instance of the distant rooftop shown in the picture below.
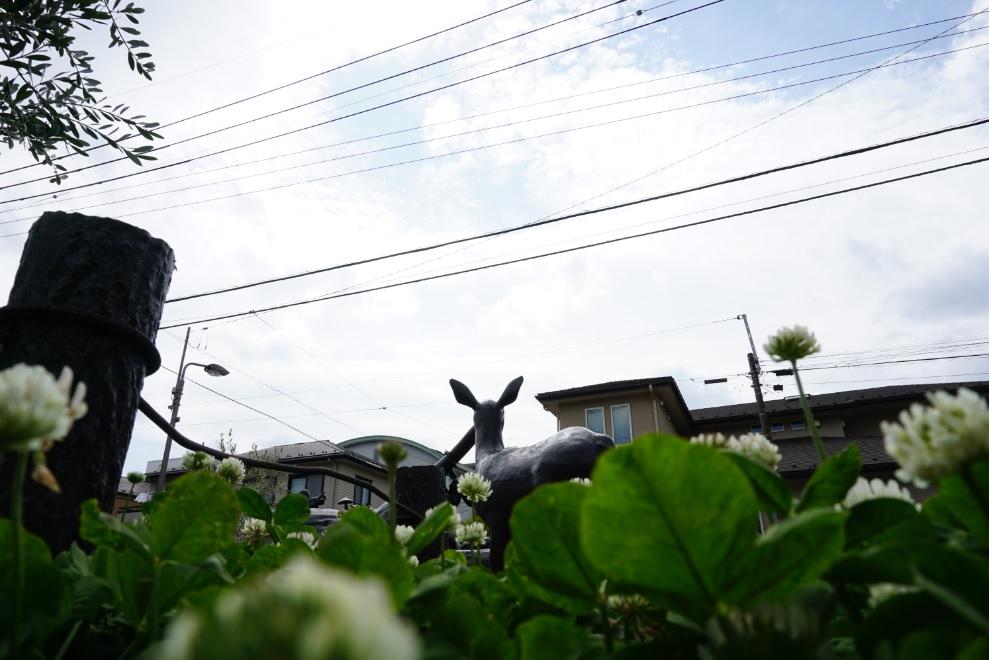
(833, 400)
(604, 388)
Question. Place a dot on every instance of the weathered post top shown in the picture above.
(88, 294)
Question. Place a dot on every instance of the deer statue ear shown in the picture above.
(462, 394)
(511, 392)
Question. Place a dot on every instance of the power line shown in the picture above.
(244, 405)
(486, 128)
(783, 113)
(335, 119)
(500, 360)
(612, 207)
(904, 361)
(300, 80)
(596, 244)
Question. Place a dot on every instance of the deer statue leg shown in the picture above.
(500, 535)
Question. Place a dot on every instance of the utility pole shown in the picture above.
(754, 370)
(176, 397)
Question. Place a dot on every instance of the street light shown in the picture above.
(212, 369)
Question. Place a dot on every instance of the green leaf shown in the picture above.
(34, 548)
(884, 539)
(668, 517)
(429, 529)
(102, 529)
(790, 554)
(774, 494)
(347, 547)
(956, 505)
(462, 628)
(959, 580)
(546, 534)
(253, 504)
(292, 510)
(197, 519)
(549, 638)
(831, 480)
(368, 523)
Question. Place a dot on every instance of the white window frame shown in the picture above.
(613, 434)
(604, 425)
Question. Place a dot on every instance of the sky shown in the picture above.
(889, 273)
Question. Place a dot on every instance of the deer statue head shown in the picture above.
(489, 416)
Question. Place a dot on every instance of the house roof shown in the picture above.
(799, 457)
(293, 453)
(832, 400)
(605, 388)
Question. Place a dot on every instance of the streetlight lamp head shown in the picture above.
(215, 370)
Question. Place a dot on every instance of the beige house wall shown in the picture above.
(648, 416)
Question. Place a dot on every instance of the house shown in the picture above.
(357, 457)
(626, 409)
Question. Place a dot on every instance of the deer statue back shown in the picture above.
(514, 472)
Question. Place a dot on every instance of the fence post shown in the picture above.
(89, 294)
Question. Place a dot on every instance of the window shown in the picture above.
(797, 426)
(621, 424)
(312, 483)
(594, 419)
(361, 494)
(778, 428)
(755, 429)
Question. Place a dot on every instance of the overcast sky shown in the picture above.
(898, 267)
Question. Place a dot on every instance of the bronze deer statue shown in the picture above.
(514, 472)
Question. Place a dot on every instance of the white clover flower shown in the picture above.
(303, 611)
(413, 561)
(884, 590)
(869, 490)
(308, 538)
(35, 409)
(232, 470)
(755, 447)
(254, 532)
(583, 481)
(792, 344)
(197, 460)
(403, 533)
(714, 440)
(135, 477)
(452, 522)
(627, 604)
(474, 488)
(932, 442)
(471, 533)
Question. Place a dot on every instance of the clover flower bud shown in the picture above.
(197, 460)
(755, 447)
(35, 409)
(583, 481)
(713, 440)
(43, 476)
(452, 521)
(232, 470)
(474, 488)
(302, 610)
(413, 561)
(471, 533)
(932, 442)
(864, 490)
(792, 344)
(403, 533)
(392, 453)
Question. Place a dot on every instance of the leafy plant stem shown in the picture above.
(392, 500)
(153, 606)
(808, 416)
(68, 640)
(846, 599)
(969, 479)
(609, 642)
(17, 515)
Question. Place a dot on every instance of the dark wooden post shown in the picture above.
(420, 487)
(89, 294)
